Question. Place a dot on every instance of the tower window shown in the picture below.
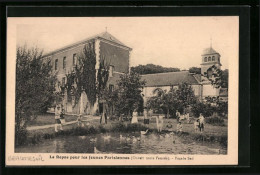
(74, 59)
(205, 59)
(209, 58)
(64, 62)
(56, 64)
(213, 58)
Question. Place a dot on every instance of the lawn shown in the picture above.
(48, 118)
(218, 132)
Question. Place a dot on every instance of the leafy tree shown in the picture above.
(34, 88)
(195, 70)
(217, 77)
(151, 68)
(172, 100)
(128, 93)
(83, 76)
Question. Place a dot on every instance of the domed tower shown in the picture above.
(210, 57)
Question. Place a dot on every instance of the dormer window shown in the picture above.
(205, 59)
(209, 58)
(111, 71)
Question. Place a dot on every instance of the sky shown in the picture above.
(166, 41)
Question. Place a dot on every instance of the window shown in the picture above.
(213, 58)
(111, 88)
(74, 59)
(205, 59)
(209, 58)
(64, 62)
(111, 70)
(63, 81)
(56, 64)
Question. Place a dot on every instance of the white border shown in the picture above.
(15, 159)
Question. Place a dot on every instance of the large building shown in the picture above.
(118, 54)
(105, 46)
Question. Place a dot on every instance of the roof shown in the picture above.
(169, 79)
(105, 35)
(197, 77)
(223, 92)
(209, 51)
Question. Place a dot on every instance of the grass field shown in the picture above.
(47, 119)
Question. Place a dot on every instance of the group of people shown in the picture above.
(198, 124)
(59, 117)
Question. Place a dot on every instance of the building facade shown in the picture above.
(65, 59)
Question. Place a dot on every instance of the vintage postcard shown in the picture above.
(122, 91)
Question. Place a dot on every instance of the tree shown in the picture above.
(175, 99)
(83, 76)
(151, 68)
(35, 84)
(217, 77)
(195, 70)
(128, 93)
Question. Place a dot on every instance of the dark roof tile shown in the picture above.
(169, 79)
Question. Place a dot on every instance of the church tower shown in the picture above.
(210, 57)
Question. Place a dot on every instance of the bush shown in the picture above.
(206, 109)
(20, 137)
(215, 120)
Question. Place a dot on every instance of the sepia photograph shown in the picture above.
(136, 90)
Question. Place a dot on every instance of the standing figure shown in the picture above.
(150, 113)
(196, 125)
(201, 122)
(57, 118)
(178, 115)
(146, 119)
(134, 118)
(159, 122)
(103, 117)
(188, 117)
(62, 118)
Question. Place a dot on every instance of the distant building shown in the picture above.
(200, 84)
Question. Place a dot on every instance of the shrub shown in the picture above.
(206, 109)
(215, 120)
(20, 137)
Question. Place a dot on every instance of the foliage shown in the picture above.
(195, 70)
(126, 97)
(215, 120)
(102, 76)
(172, 100)
(217, 77)
(205, 108)
(151, 68)
(83, 76)
(221, 107)
(34, 87)
(211, 106)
